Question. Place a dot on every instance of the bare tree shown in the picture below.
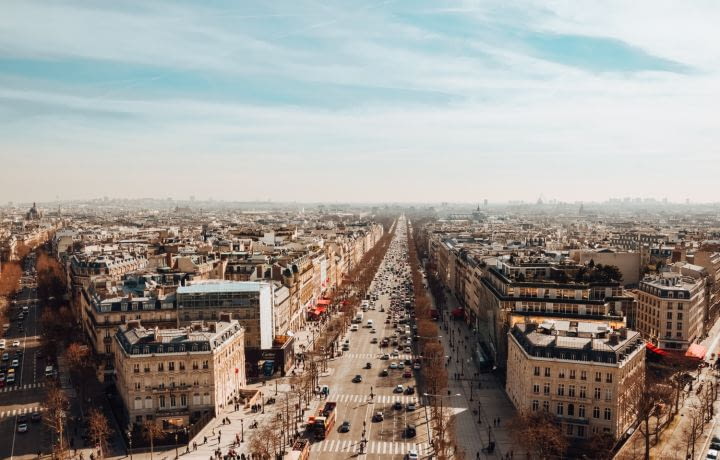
(261, 442)
(98, 429)
(649, 398)
(692, 430)
(56, 406)
(151, 432)
(540, 434)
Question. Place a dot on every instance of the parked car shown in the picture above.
(345, 427)
(378, 417)
(398, 389)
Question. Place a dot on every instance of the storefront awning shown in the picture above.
(696, 351)
(323, 302)
(319, 310)
(655, 349)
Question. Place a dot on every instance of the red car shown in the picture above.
(407, 374)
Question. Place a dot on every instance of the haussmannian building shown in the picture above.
(175, 376)
(584, 373)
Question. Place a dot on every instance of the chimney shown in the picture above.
(134, 324)
(197, 326)
(212, 328)
(226, 317)
(613, 340)
(623, 333)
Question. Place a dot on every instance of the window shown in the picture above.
(680, 307)
(560, 408)
(608, 394)
(171, 365)
(572, 373)
(669, 315)
(138, 403)
(678, 326)
(546, 406)
(583, 393)
(608, 414)
(536, 371)
(547, 372)
(571, 391)
(679, 317)
(173, 401)
(561, 390)
(183, 400)
(535, 405)
(536, 388)
(137, 386)
(561, 373)
(598, 376)
(581, 431)
(596, 412)
(136, 368)
(182, 365)
(147, 367)
(581, 410)
(195, 365)
(608, 377)
(546, 389)
(161, 401)
(571, 410)
(583, 375)
(569, 430)
(205, 365)
(161, 367)
(597, 393)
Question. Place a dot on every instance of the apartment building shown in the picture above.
(173, 377)
(671, 309)
(584, 373)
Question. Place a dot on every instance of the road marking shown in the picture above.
(21, 411)
(27, 386)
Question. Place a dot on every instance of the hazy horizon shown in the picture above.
(373, 102)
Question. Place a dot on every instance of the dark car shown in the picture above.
(378, 417)
(398, 405)
(410, 390)
(384, 373)
(35, 417)
(22, 418)
(410, 431)
(357, 379)
(345, 427)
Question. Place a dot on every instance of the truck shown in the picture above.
(358, 318)
(300, 451)
(324, 421)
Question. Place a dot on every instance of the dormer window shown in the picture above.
(160, 349)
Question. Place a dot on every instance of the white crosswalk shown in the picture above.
(377, 399)
(24, 410)
(372, 447)
(29, 386)
(402, 356)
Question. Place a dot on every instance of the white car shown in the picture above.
(16, 343)
(412, 455)
(354, 327)
(2, 344)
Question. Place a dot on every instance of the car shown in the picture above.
(412, 455)
(393, 365)
(400, 365)
(410, 390)
(35, 417)
(385, 357)
(398, 389)
(712, 454)
(407, 374)
(374, 340)
(384, 373)
(357, 379)
(411, 406)
(410, 431)
(408, 350)
(373, 331)
(378, 417)
(5, 356)
(10, 380)
(387, 321)
(394, 354)
(398, 405)
(345, 427)
(416, 366)
(22, 418)
(15, 343)
(345, 348)
(22, 428)
(15, 363)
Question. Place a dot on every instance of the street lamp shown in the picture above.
(176, 443)
(129, 435)
(242, 431)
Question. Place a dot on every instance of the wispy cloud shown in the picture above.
(472, 95)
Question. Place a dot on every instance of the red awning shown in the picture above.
(319, 310)
(655, 349)
(323, 302)
(458, 312)
(696, 351)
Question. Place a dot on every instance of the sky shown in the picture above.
(415, 101)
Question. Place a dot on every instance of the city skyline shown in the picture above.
(372, 102)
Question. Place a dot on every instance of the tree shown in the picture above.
(56, 405)
(98, 430)
(151, 432)
(692, 430)
(540, 434)
(261, 442)
(647, 398)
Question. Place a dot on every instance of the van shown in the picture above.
(370, 323)
(49, 371)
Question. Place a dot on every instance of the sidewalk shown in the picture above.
(486, 400)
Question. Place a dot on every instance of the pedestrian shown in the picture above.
(194, 445)
(477, 454)
(204, 439)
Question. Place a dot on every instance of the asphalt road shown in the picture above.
(27, 393)
(386, 438)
